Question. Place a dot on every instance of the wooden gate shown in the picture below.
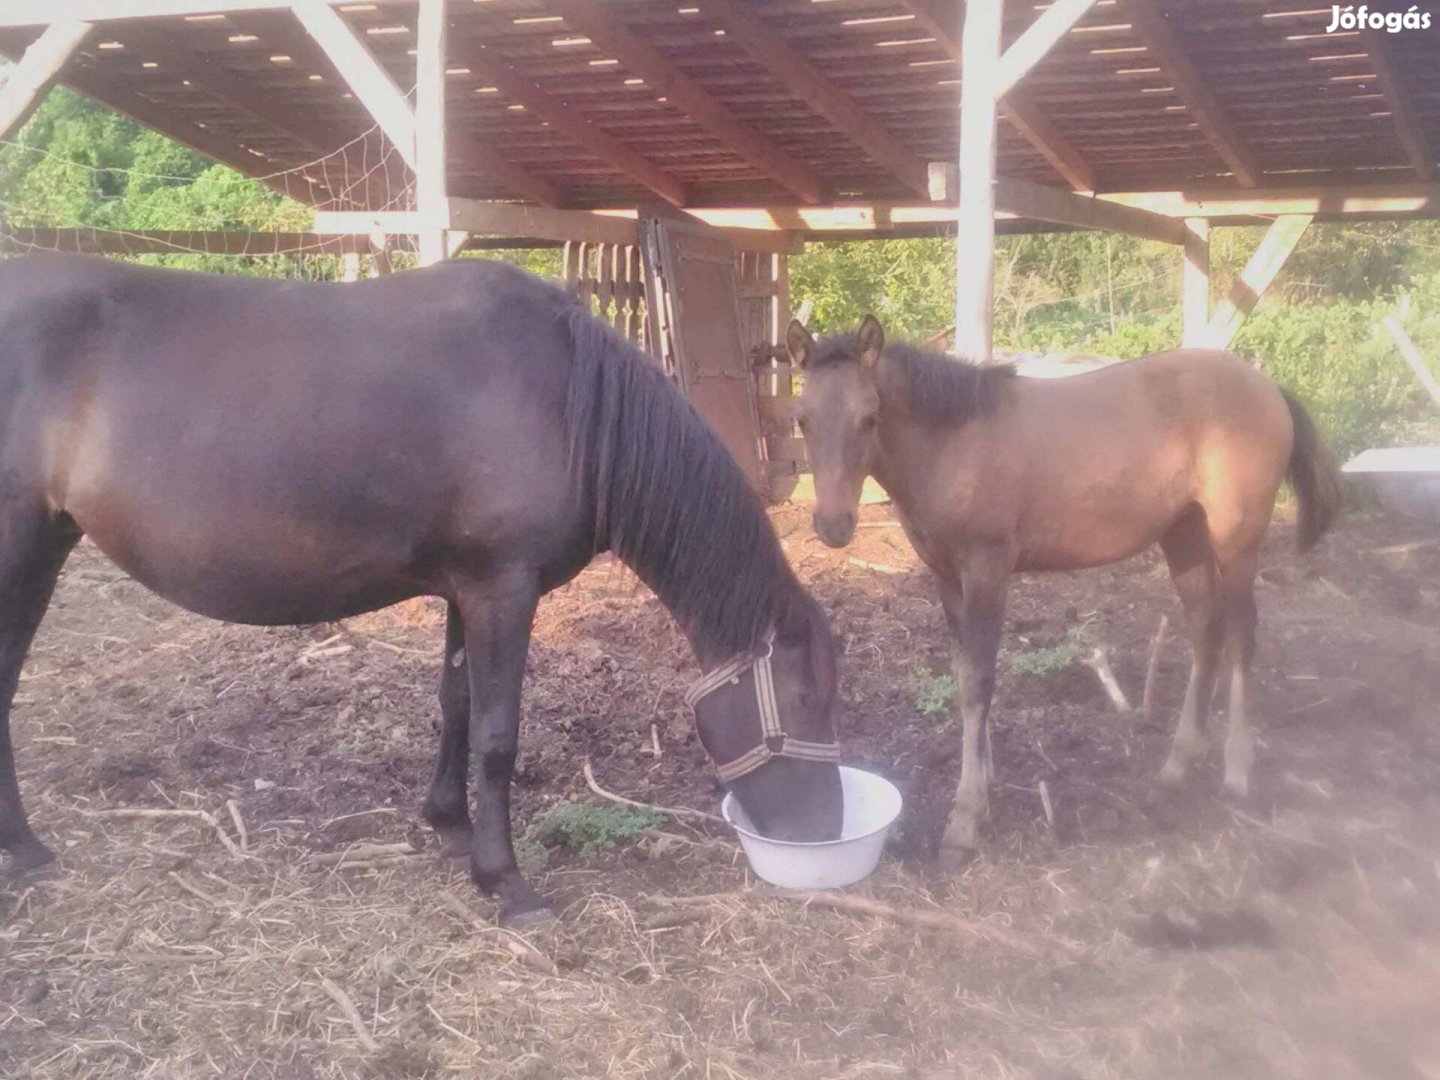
(693, 312)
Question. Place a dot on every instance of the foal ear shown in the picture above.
(872, 340)
(799, 342)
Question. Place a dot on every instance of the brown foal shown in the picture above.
(991, 473)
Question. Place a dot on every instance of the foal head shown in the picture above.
(840, 418)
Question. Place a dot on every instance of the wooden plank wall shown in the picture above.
(764, 315)
(610, 281)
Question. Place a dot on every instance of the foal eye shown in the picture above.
(867, 423)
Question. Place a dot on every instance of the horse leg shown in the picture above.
(975, 613)
(33, 548)
(1192, 569)
(1237, 589)
(445, 807)
(496, 615)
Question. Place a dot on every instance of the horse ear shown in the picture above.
(872, 340)
(799, 342)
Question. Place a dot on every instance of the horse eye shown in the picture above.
(867, 423)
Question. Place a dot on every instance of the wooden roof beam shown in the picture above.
(45, 12)
(600, 23)
(811, 86)
(25, 84)
(111, 94)
(377, 91)
(567, 120)
(1017, 107)
(202, 71)
(1152, 28)
(1038, 39)
(1418, 146)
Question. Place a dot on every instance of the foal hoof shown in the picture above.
(455, 839)
(1236, 789)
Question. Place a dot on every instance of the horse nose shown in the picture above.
(835, 529)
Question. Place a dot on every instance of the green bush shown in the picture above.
(933, 695)
(586, 829)
(1043, 660)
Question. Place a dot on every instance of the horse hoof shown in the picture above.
(532, 921)
(455, 841)
(953, 858)
(31, 856)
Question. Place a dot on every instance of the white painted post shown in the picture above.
(1196, 286)
(975, 229)
(430, 180)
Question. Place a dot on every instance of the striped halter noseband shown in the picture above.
(773, 740)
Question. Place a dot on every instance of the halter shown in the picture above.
(773, 740)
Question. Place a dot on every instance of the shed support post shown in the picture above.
(432, 199)
(1279, 241)
(1196, 282)
(975, 229)
(28, 80)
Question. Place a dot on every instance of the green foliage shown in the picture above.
(933, 695)
(585, 828)
(1041, 661)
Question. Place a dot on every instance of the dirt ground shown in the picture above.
(1126, 934)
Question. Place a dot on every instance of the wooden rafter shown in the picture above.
(811, 86)
(1017, 107)
(566, 119)
(25, 84)
(1418, 146)
(1038, 39)
(600, 24)
(203, 71)
(1152, 28)
(373, 85)
(44, 12)
(111, 94)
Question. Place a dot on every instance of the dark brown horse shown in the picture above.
(991, 473)
(271, 453)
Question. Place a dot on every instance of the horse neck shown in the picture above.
(906, 449)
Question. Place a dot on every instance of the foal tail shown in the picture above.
(1313, 475)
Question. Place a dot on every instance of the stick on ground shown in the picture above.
(673, 811)
(352, 1014)
(1147, 699)
(1099, 663)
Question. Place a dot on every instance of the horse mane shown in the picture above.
(669, 499)
(936, 387)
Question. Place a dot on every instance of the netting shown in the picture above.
(187, 211)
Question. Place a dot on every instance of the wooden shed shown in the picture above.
(681, 149)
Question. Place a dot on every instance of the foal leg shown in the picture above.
(1237, 589)
(1192, 568)
(32, 550)
(445, 807)
(496, 615)
(975, 613)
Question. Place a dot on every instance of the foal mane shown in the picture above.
(941, 388)
(669, 499)
(936, 387)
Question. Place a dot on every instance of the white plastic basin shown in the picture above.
(872, 804)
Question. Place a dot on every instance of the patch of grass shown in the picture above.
(933, 695)
(586, 829)
(1048, 659)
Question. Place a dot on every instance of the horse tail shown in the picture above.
(1314, 476)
